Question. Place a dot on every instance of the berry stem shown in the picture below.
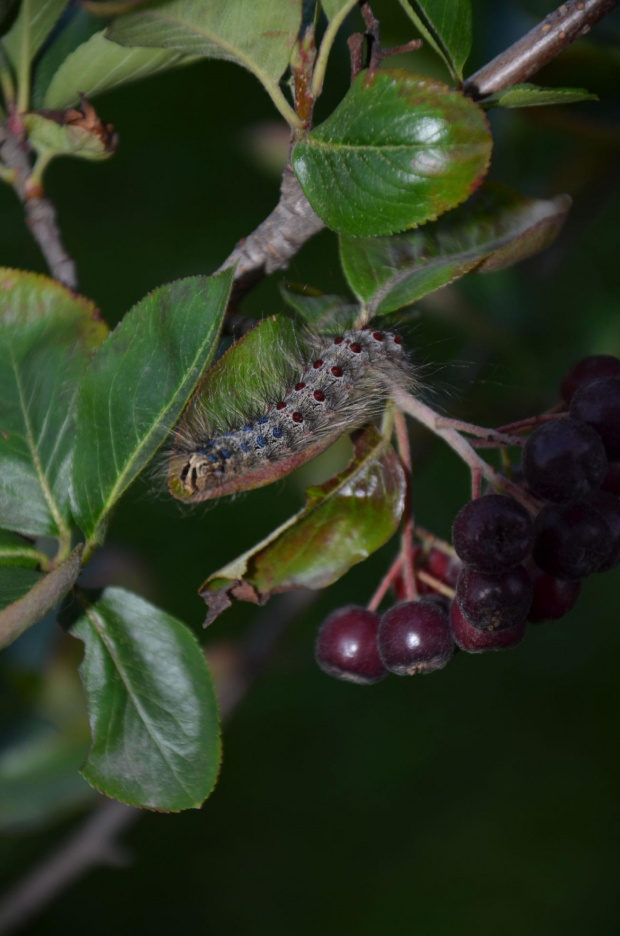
(494, 436)
(430, 541)
(524, 424)
(385, 584)
(476, 483)
(436, 584)
(429, 418)
(406, 536)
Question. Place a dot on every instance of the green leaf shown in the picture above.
(257, 34)
(315, 308)
(399, 150)
(98, 65)
(137, 386)
(14, 550)
(343, 522)
(80, 27)
(334, 9)
(50, 138)
(530, 95)
(34, 23)
(44, 594)
(447, 26)
(152, 707)
(494, 229)
(39, 778)
(46, 335)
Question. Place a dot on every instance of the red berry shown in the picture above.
(588, 369)
(347, 646)
(414, 637)
(553, 598)
(473, 640)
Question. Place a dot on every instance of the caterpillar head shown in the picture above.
(192, 474)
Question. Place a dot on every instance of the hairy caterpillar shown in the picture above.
(334, 385)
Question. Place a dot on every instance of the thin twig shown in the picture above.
(538, 47)
(40, 212)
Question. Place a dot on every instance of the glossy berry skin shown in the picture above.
(608, 508)
(564, 460)
(572, 540)
(493, 533)
(586, 370)
(347, 646)
(414, 637)
(598, 404)
(494, 601)
(553, 598)
(473, 640)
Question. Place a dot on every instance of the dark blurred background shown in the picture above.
(483, 800)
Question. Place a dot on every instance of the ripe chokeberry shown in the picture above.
(598, 404)
(572, 540)
(473, 640)
(493, 533)
(564, 460)
(414, 637)
(553, 597)
(586, 370)
(611, 484)
(346, 646)
(608, 507)
(494, 601)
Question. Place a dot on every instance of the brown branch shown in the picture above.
(537, 48)
(274, 242)
(40, 212)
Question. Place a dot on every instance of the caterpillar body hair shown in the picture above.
(335, 384)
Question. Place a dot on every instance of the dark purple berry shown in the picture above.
(473, 640)
(572, 540)
(564, 460)
(608, 507)
(493, 533)
(414, 637)
(553, 598)
(598, 404)
(494, 602)
(586, 370)
(611, 484)
(347, 645)
(442, 601)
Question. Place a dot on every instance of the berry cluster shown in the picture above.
(512, 565)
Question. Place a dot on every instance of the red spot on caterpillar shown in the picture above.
(355, 347)
(377, 336)
(337, 371)
(281, 405)
(297, 417)
(398, 339)
(300, 385)
(319, 395)
(318, 364)
(338, 340)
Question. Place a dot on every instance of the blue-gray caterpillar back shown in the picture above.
(345, 384)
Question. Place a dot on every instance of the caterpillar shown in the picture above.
(335, 384)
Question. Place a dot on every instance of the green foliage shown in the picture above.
(80, 27)
(399, 150)
(494, 229)
(531, 95)
(447, 26)
(152, 709)
(137, 387)
(16, 550)
(46, 336)
(257, 34)
(343, 522)
(49, 139)
(34, 23)
(316, 309)
(98, 65)
(15, 583)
